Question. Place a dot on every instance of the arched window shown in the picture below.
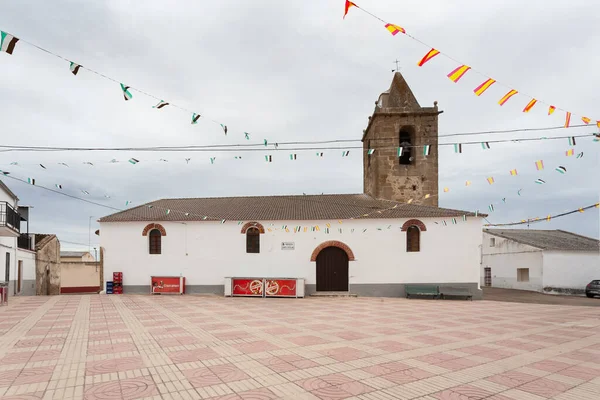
(253, 240)
(413, 239)
(154, 241)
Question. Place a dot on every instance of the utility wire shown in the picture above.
(534, 220)
(245, 147)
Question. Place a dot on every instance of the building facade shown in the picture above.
(76, 256)
(539, 260)
(17, 251)
(207, 240)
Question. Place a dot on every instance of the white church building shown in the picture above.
(369, 244)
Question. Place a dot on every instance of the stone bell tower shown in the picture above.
(399, 121)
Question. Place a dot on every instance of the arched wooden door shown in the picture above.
(332, 270)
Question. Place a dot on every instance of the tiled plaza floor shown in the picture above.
(187, 347)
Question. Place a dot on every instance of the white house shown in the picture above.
(335, 243)
(539, 260)
(17, 268)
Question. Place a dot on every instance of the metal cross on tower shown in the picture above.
(397, 66)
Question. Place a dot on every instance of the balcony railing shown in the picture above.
(9, 218)
(24, 242)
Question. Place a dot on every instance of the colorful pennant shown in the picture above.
(269, 158)
(430, 54)
(161, 104)
(458, 148)
(529, 105)
(458, 73)
(570, 152)
(7, 42)
(195, 118)
(31, 181)
(345, 153)
(586, 120)
(507, 96)
(568, 119)
(572, 141)
(485, 145)
(126, 93)
(490, 180)
(292, 156)
(347, 7)
(561, 169)
(513, 172)
(426, 150)
(212, 160)
(394, 29)
(540, 181)
(224, 128)
(133, 161)
(58, 186)
(370, 151)
(484, 86)
(551, 110)
(539, 165)
(74, 68)
(399, 150)
(246, 135)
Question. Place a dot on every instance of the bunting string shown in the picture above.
(463, 68)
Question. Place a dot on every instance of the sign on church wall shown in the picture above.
(288, 245)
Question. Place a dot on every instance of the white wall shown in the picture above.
(207, 252)
(570, 270)
(505, 258)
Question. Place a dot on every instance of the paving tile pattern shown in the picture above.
(196, 347)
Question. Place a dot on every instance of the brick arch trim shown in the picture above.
(332, 243)
(256, 225)
(414, 222)
(150, 227)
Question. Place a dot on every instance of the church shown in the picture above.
(370, 244)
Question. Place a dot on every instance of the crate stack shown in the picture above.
(109, 287)
(117, 282)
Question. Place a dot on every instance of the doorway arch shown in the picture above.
(332, 262)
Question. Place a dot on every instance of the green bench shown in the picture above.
(453, 291)
(422, 290)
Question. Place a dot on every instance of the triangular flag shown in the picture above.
(568, 119)
(195, 118)
(458, 148)
(74, 68)
(7, 42)
(586, 120)
(347, 7)
(551, 110)
(161, 104)
(561, 169)
(485, 145)
(134, 161)
(247, 135)
(370, 151)
(430, 54)
(426, 150)
(394, 29)
(126, 93)
(224, 128)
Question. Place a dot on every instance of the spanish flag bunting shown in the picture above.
(446, 190)
(586, 120)
(598, 124)
(513, 172)
(427, 196)
(347, 7)
(507, 96)
(432, 53)
(394, 29)
(539, 165)
(458, 73)
(580, 210)
(572, 141)
(468, 183)
(484, 86)
(597, 205)
(409, 201)
(568, 120)
(551, 110)
(549, 217)
(490, 180)
(570, 152)
(529, 105)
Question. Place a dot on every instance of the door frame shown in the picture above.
(333, 243)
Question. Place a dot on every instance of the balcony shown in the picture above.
(10, 220)
(24, 242)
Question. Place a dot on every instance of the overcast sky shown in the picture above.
(291, 71)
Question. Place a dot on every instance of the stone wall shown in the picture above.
(47, 265)
(384, 176)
